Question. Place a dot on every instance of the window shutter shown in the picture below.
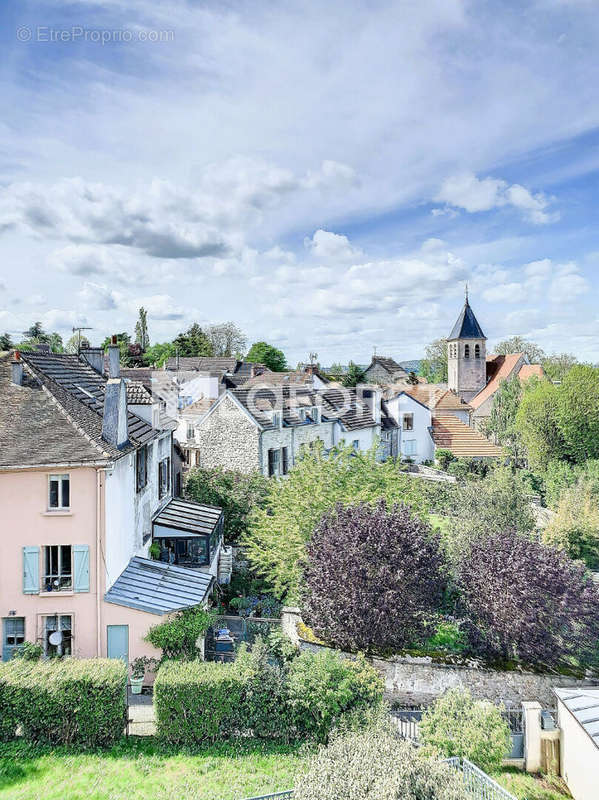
(31, 570)
(81, 567)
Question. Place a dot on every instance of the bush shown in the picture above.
(448, 637)
(178, 636)
(8, 708)
(575, 527)
(70, 701)
(458, 725)
(263, 710)
(373, 576)
(528, 602)
(197, 701)
(376, 765)
(29, 651)
(444, 458)
(324, 690)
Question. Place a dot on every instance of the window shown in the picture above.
(285, 452)
(466, 351)
(59, 492)
(476, 351)
(196, 458)
(410, 448)
(276, 419)
(190, 432)
(315, 414)
(58, 568)
(141, 464)
(408, 422)
(13, 631)
(273, 463)
(191, 552)
(356, 444)
(164, 476)
(58, 635)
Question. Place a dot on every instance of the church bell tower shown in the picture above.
(467, 355)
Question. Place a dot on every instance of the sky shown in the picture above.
(328, 175)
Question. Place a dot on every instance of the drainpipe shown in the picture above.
(98, 557)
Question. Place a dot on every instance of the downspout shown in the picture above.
(98, 556)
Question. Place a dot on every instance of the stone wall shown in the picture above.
(294, 438)
(228, 438)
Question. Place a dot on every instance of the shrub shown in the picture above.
(458, 725)
(529, 602)
(575, 527)
(324, 690)
(178, 636)
(372, 578)
(70, 701)
(29, 651)
(444, 458)
(197, 701)
(8, 695)
(263, 709)
(447, 636)
(375, 764)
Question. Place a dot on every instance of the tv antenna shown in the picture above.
(78, 332)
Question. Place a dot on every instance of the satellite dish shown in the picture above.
(55, 637)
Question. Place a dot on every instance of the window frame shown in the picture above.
(46, 634)
(47, 578)
(477, 351)
(405, 426)
(164, 476)
(274, 462)
(466, 351)
(60, 478)
(284, 460)
(413, 449)
(141, 475)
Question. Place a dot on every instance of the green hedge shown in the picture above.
(8, 711)
(67, 701)
(197, 701)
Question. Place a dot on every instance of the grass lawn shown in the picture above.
(141, 769)
(531, 787)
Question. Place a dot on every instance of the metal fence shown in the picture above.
(477, 783)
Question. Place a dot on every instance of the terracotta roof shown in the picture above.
(449, 433)
(501, 368)
(531, 370)
(437, 397)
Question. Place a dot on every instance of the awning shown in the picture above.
(185, 518)
(158, 587)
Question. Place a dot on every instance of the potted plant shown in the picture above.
(138, 672)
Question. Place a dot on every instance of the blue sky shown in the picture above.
(326, 175)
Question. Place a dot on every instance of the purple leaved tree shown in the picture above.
(528, 602)
(373, 577)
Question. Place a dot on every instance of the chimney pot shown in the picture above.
(113, 339)
(114, 359)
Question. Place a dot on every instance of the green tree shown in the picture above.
(353, 376)
(575, 527)
(458, 725)
(193, 342)
(237, 493)
(497, 503)
(561, 422)
(501, 424)
(557, 365)
(142, 337)
(272, 357)
(227, 339)
(76, 342)
(517, 344)
(157, 354)
(37, 334)
(433, 366)
(6, 342)
(315, 485)
(336, 371)
(56, 345)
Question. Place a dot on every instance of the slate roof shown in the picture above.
(466, 326)
(186, 515)
(388, 364)
(141, 374)
(158, 588)
(203, 363)
(35, 429)
(79, 390)
(450, 433)
(336, 404)
(583, 704)
(137, 394)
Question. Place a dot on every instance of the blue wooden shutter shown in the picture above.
(31, 570)
(81, 567)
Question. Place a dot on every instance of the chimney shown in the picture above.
(17, 369)
(372, 397)
(94, 357)
(114, 359)
(256, 370)
(114, 422)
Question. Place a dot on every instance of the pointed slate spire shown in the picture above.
(466, 326)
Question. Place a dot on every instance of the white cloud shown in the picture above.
(329, 246)
(482, 194)
(567, 285)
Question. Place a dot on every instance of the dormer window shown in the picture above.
(302, 414)
(477, 351)
(276, 419)
(315, 414)
(466, 351)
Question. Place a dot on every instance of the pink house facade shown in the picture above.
(83, 481)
